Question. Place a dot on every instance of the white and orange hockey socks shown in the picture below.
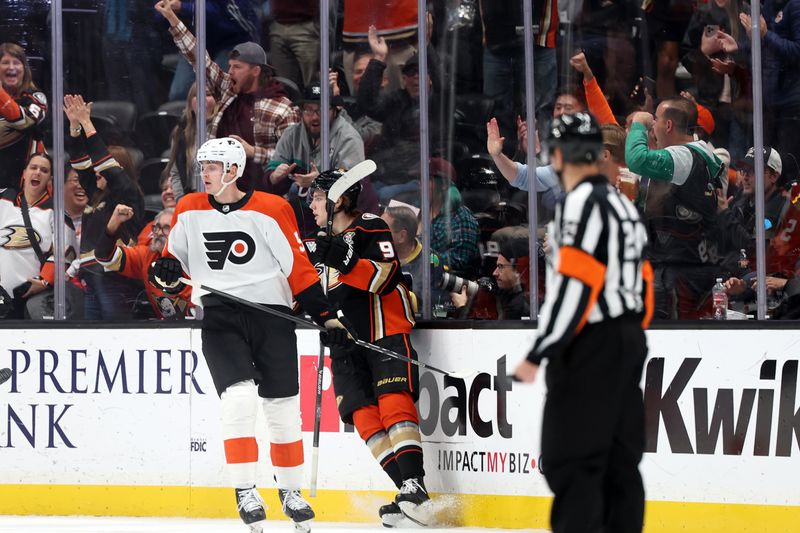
(285, 440)
(239, 410)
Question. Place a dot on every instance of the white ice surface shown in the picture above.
(81, 524)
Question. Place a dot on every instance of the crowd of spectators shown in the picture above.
(670, 82)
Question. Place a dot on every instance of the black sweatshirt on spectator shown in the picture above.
(120, 189)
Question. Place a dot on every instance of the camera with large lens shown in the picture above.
(453, 283)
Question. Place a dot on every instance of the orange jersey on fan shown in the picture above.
(372, 295)
(134, 262)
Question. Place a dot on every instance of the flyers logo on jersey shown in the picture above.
(234, 246)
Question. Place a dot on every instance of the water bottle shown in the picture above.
(720, 298)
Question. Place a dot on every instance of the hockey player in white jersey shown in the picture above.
(247, 244)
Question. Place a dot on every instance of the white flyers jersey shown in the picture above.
(18, 259)
(250, 249)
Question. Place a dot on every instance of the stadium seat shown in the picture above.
(174, 107)
(153, 132)
(472, 113)
(508, 213)
(479, 200)
(115, 121)
(291, 88)
(107, 128)
(123, 113)
(137, 156)
(152, 205)
(150, 175)
(477, 171)
(487, 224)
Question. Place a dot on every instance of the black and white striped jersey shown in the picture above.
(600, 274)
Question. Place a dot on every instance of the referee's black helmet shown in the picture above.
(578, 136)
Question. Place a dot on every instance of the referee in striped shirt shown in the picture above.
(591, 329)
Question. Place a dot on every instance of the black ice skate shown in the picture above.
(297, 509)
(251, 509)
(414, 501)
(390, 514)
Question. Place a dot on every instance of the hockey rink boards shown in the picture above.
(123, 422)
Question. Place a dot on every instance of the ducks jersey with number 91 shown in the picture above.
(372, 295)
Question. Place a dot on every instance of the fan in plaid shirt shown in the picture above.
(254, 108)
(454, 230)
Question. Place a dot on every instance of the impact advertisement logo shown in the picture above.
(480, 410)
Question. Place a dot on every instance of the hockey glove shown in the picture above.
(322, 246)
(339, 253)
(165, 273)
(313, 252)
(339, 332)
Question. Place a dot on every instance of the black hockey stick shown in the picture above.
(461, 374)
(5, 374)
(350, 178)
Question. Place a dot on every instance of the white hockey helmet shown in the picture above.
(227, 151)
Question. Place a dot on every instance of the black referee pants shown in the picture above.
(593, 430)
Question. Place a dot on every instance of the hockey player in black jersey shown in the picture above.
(376, 394)
(591, 331)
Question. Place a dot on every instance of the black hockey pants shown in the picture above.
(593, 430)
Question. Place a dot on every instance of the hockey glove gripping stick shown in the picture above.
(5, 373)
(339, 332)
(323, 241)
(460, 374)
(337, 253)
(165, 272)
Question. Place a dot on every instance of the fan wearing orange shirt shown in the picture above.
(134, 261)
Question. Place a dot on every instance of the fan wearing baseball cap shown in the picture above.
(772, 160)
(736, 214)
(254, 108)
(744, 202)
(298, 158)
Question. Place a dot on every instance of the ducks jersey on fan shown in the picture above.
(18, 259)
